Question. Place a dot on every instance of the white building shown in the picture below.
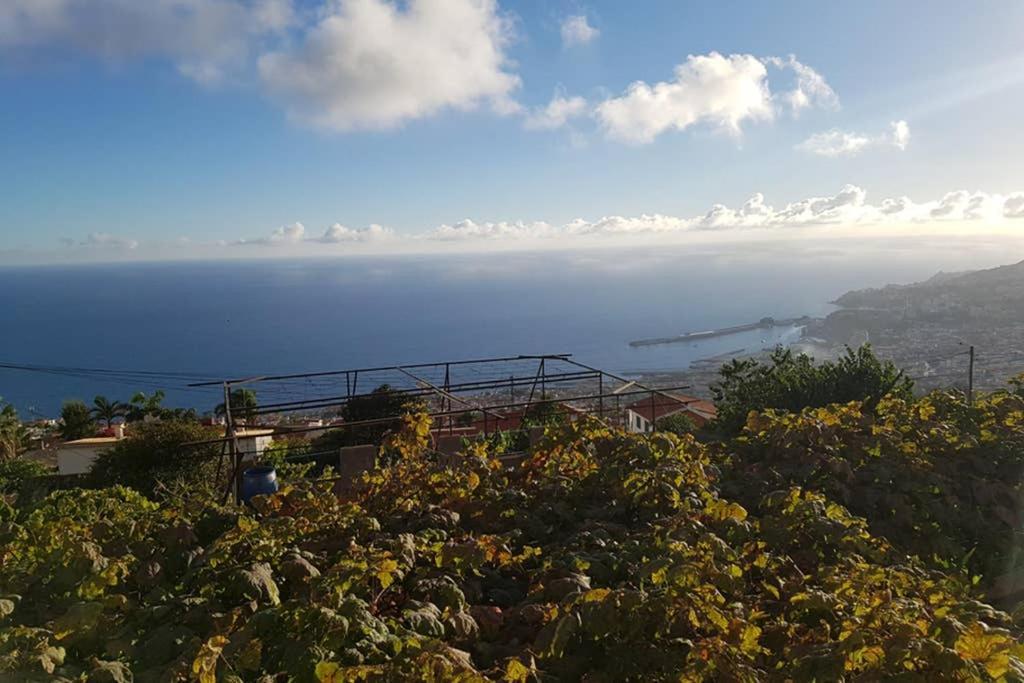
(252, 442)
(77, 457)
(642, 414)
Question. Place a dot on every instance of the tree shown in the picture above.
(13, 435)
(382, 402)
(789, 381)
(142, 406)
(76, 421)
(678, 424)
(106, 410)
(243, 405)
(154, 453)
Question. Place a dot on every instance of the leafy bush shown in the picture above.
(604, 556)
(14, 472)
(789, 381)
(154, 454)
(294, 459)
(383, 402)
(938, 478)
(678, 424)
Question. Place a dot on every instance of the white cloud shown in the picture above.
(338, 233)
(467, 229)
(288, 234)
(296, 233)
(810, 88)
(557, 113)
(576, 30)
(900, 134)
(1013, 207)
(104, 240)
(376, 64)
(968, 206)
(205, 39)
(837, 143)
(847, 208)
(721, 91)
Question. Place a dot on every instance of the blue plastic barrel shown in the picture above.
(257, 481)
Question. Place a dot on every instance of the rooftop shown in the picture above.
(663, 404)
(91, 441)
(243, 433)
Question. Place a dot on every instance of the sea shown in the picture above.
(234, 318)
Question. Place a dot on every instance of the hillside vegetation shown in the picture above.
(850, 542)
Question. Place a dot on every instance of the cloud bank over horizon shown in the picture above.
(848, 211)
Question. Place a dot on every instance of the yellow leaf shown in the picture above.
(748, 642)
(326, 672)
(205, 664)
(988, 647)
(596, 595)
(516, 672)
(385, 573)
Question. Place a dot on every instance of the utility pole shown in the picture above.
(970, 376)
(229, 432)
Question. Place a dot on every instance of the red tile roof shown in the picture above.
(663, 405)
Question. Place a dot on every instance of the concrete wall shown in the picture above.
(77, 459)
(353, 461)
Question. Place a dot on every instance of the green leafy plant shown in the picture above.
(155, 454)
(791, 381)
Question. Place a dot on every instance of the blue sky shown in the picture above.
(194, 128)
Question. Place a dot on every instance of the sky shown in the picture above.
(172, 129)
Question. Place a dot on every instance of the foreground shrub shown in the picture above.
(938, 478)
(604, 557)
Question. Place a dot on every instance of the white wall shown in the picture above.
(635, 422)
(77, 459)
(252, 447)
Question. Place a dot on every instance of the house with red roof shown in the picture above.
(645, 412)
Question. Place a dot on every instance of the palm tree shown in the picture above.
(143, 406)
(107, 410)
(243, 405)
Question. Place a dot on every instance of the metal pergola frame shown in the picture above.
(425, 380)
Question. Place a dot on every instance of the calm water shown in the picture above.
(242, 318)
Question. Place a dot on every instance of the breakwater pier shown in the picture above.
(763, 323)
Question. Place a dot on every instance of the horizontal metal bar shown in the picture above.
(476, 385)
(330, 373)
